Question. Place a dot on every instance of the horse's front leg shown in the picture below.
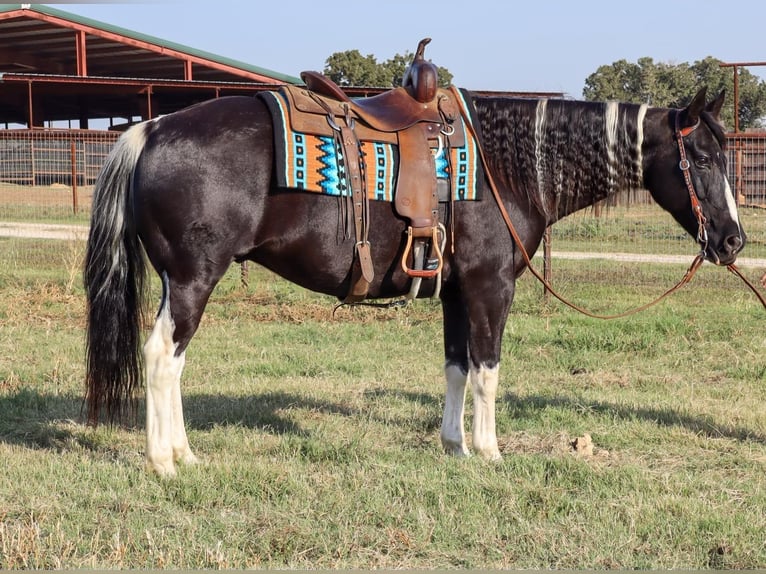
(484, 381)
(455, 322)
(453, 431)
(473, 330)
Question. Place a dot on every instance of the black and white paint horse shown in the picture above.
(196, 191)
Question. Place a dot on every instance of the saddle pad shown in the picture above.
(310, 162)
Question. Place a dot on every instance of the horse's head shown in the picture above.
(689, 179)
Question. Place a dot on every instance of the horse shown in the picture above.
(194, 191)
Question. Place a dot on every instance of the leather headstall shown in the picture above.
(685, 166)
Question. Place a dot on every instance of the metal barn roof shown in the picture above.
(55, 65)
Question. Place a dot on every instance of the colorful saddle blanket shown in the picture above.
(310, 162)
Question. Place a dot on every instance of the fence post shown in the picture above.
(73, 148)
(547, 264)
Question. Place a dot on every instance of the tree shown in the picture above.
(350, 68)
(673, 85)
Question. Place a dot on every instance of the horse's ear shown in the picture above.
(694, 109)
(715, 106)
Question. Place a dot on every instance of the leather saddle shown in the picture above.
(414, 117)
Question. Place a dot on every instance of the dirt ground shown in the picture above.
(48, 195)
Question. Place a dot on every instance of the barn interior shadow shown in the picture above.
(44, 421)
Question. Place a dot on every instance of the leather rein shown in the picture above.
(702, 236)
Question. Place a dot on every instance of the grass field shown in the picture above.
(319, 434)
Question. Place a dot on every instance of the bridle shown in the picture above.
(702, 236)
(685, 166)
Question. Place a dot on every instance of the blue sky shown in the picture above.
(532, 45)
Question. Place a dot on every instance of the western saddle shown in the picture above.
(415, 117)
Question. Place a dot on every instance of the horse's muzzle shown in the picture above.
(728, 250)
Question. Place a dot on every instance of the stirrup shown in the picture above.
(433, 266)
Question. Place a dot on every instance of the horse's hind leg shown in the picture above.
(165, 432)
(164, 357)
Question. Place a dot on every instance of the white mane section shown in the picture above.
(542, 106)
(640, 143)
(611, 116)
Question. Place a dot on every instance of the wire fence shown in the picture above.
(47, 176)
(50, 173)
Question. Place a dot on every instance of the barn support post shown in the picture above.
(146, 104)
(81, 53)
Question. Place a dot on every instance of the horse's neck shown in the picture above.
(563, 155)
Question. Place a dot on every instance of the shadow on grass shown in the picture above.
(44, 421)
(274, 411)
(531, 406)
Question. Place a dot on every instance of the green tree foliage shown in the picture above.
(350, 68)
(673, 85)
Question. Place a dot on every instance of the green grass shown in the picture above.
(319, 434)
(50, 214)
(643, 229)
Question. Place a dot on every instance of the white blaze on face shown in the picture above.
(731, 203)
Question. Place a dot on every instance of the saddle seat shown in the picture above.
(390, 111)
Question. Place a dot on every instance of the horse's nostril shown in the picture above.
(733, 243)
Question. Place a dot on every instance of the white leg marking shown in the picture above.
(453, 433)
(165, 434)
(181, 451)
(484, 382)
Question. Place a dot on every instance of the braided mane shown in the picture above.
(563, 155)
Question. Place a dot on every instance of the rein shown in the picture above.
(697, 209)
(734, 269)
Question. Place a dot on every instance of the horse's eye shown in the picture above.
(702, 162)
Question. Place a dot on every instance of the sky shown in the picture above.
(507, 45)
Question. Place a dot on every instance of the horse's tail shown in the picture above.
(114, 276)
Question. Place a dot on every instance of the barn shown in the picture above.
(69, 85)
(59, 69)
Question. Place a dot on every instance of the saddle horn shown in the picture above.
(421, 79)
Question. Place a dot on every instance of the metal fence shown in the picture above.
(747, 167)
(47, 175)
(50, 169)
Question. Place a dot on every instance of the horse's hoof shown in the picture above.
(164, 470)
(456, 449)
(187, 458)
(490, 454)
